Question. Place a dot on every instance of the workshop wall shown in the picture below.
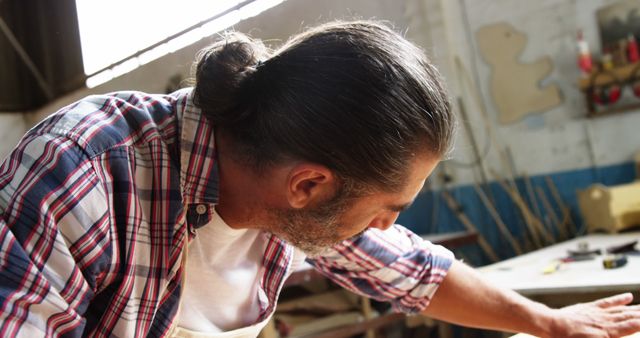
(12, 127)
(559, 143)
(556, 140)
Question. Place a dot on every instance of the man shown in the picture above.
(134, 215)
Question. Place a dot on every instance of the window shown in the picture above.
(118, 36)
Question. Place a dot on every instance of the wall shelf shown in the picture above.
(622, 75)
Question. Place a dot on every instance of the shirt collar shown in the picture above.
(198, 160)
(199, 180)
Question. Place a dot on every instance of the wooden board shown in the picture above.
(514, 85)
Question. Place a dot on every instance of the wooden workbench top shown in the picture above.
(524, 273)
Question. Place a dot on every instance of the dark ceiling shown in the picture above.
(40, 55)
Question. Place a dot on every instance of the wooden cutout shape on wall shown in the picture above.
(514, 85)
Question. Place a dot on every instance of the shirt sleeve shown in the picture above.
(54, 237)
(394, 265)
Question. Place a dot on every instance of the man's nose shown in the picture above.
(383, 222)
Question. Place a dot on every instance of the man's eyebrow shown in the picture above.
(400, 208)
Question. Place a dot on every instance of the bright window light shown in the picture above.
(112, 31)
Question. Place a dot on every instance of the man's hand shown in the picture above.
(608, 317)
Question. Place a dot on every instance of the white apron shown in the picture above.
(244, 332)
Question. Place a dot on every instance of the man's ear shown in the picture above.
(308, 184)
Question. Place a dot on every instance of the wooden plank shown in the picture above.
(532, 196)
(496, 218)
(560, 225)
(358, 328)
(563, 207)
(457, 210)
(535, 226)
(368, 313)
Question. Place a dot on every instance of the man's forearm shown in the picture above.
(465, 298)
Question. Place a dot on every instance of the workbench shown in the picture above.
(572, 282)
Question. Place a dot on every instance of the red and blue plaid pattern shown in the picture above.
(98, 202)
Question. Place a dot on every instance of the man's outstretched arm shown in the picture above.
(465, 298)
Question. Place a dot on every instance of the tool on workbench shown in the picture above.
(555, 265)
(616, 256)
(614, 261)
(629, 247)
(581, 253)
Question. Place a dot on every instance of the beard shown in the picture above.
(313, 230)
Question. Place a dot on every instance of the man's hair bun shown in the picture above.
(223, 73)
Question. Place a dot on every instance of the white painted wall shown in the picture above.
(12, 127)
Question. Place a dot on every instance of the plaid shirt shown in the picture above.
(99, 200)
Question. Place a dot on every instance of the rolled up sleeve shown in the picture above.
(394, 265)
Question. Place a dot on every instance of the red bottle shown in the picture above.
(633, 55)
(584, 56)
